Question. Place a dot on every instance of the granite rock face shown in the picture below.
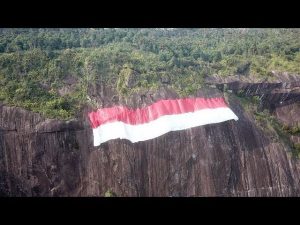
(42, 157)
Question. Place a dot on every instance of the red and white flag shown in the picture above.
(157, 119)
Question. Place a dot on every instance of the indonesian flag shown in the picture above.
(157, 119)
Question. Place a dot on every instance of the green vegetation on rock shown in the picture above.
(296, 150)
(110, 193)
(295, 130)
(270, 124)
(50, 70)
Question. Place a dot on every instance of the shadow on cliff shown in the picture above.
(10, 184)
(245, 130)
(274, 101)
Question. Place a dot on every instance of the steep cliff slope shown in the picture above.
(42, 157)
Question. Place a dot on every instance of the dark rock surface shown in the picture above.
(42, 157)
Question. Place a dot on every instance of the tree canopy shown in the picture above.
(49, 70)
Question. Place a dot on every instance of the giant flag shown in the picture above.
(157, 119)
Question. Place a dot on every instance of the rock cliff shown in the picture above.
(43, 157)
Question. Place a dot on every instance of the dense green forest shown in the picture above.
(36, 64)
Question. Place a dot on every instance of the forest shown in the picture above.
(36, 64)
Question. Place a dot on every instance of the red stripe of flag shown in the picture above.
(154, 111)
